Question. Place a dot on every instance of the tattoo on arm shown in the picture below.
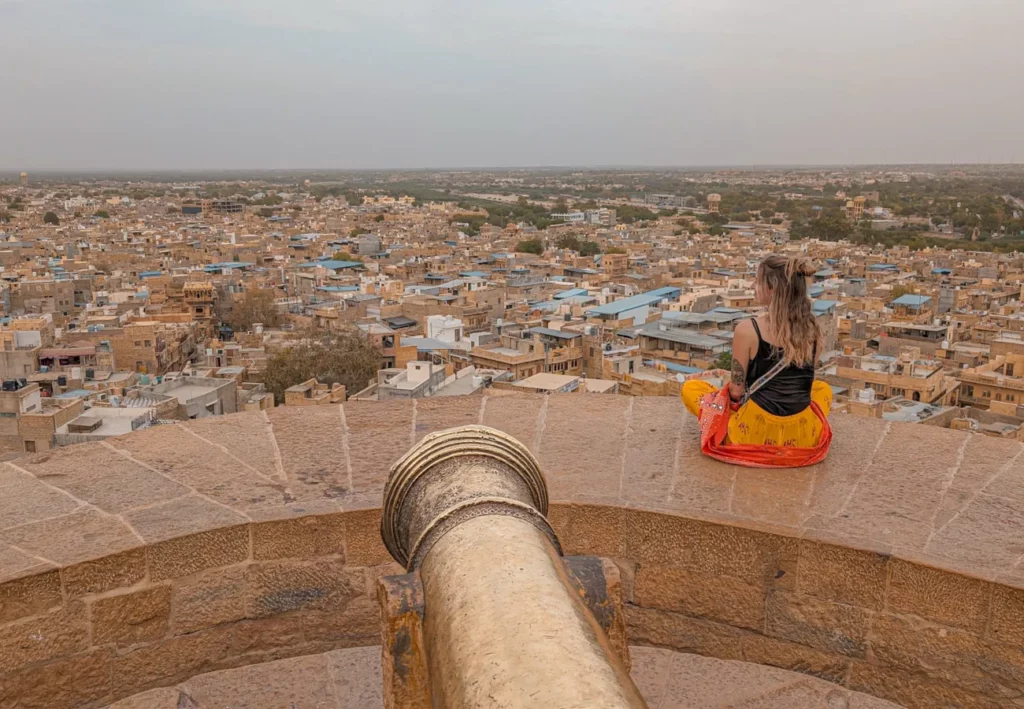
(739, 379)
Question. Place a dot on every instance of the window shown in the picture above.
(138, 343)
(986, 394)
(30, 446)
(969, 390)
(149, 343)
(999, 396)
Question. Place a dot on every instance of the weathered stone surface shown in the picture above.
(98, 475)
(679, 632)
(357, 677)
(937, 595)
(80, 536)
(302, 537)
(24, 499)
(719, 598)
(247, 436)
(951, 656)
(652, 668)
(72, 682)
(828, 626)
(752, 556)
(849, 576)
(792, 656)
(29, 595)
(660, 538)
(50, 636)
(131, 618)
(363, 545)
(593, 470)
(105, 574)
(898, 508)
(518, 415)
(853, 447)
(984, 457)
(211, 598)
(652, 446)
(1006, 624)
(405, 673)
(180, 517)
(169, 661)
(379, 433)
(270, 685)
(161, 698)
(988, 534)
(591, 529)
(773, 495)
(276, 587)
(312, 444)
(206, 550)
(914, 691)
(259, 639)
(357, 622)
(16, 564)
(207, 468)
(438, 414)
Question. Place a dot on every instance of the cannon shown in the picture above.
(490, 613)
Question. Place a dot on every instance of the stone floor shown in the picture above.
(944, 498)
(350, 679)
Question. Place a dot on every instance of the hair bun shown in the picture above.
(800, 265)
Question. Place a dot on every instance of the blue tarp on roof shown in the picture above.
(332, 264)
(623, 305)
(941, 271)
(911, 301)
(150, 274)
(474, 274)
(883, 267)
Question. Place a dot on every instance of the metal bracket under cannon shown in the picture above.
(490, 614)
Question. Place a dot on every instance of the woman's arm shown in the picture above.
(742, 341)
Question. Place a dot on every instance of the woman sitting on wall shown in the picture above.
(772, 401)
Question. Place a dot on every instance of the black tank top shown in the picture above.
(788, 392)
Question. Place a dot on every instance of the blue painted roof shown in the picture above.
(554, 333)
(820, 307)
(74, 394)
(911, 301)
(942, 271)
(338, 289)
(570, 293)
(227, 266)
(150, 274)
(474, 274)
(331, 264)
(883, 267)
(623, 305)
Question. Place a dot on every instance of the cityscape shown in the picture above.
(143, 300)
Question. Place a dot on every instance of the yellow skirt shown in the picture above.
(752, 424)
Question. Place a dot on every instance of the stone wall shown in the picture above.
(892, 568)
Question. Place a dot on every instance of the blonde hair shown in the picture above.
(796, 332)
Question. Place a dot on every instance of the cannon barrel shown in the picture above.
(503, 624)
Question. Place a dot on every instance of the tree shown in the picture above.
(50, 218)
(255, 306)
(379, 218)
(615, 250)
(530, 246)
(102, 214)
(722, 361)
(173, 210)
(332, 356)
(346, 256)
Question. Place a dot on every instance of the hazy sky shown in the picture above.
(192, 84)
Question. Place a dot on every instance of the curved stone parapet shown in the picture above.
(351, 679)
(893, 568)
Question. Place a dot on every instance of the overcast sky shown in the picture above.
(194, 84)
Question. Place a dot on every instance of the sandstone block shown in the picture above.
(363, 545)
(105, 574)
(849, 576)
(275, 587)
(72, 682)
(131, 618)
(825, 625)
(211, 598)
(797, 658)
(301, 538)
(647, 626)
(719, 598)
(29, 595)
(206, 550)
(940, 596)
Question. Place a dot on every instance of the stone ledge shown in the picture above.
(252, 543)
